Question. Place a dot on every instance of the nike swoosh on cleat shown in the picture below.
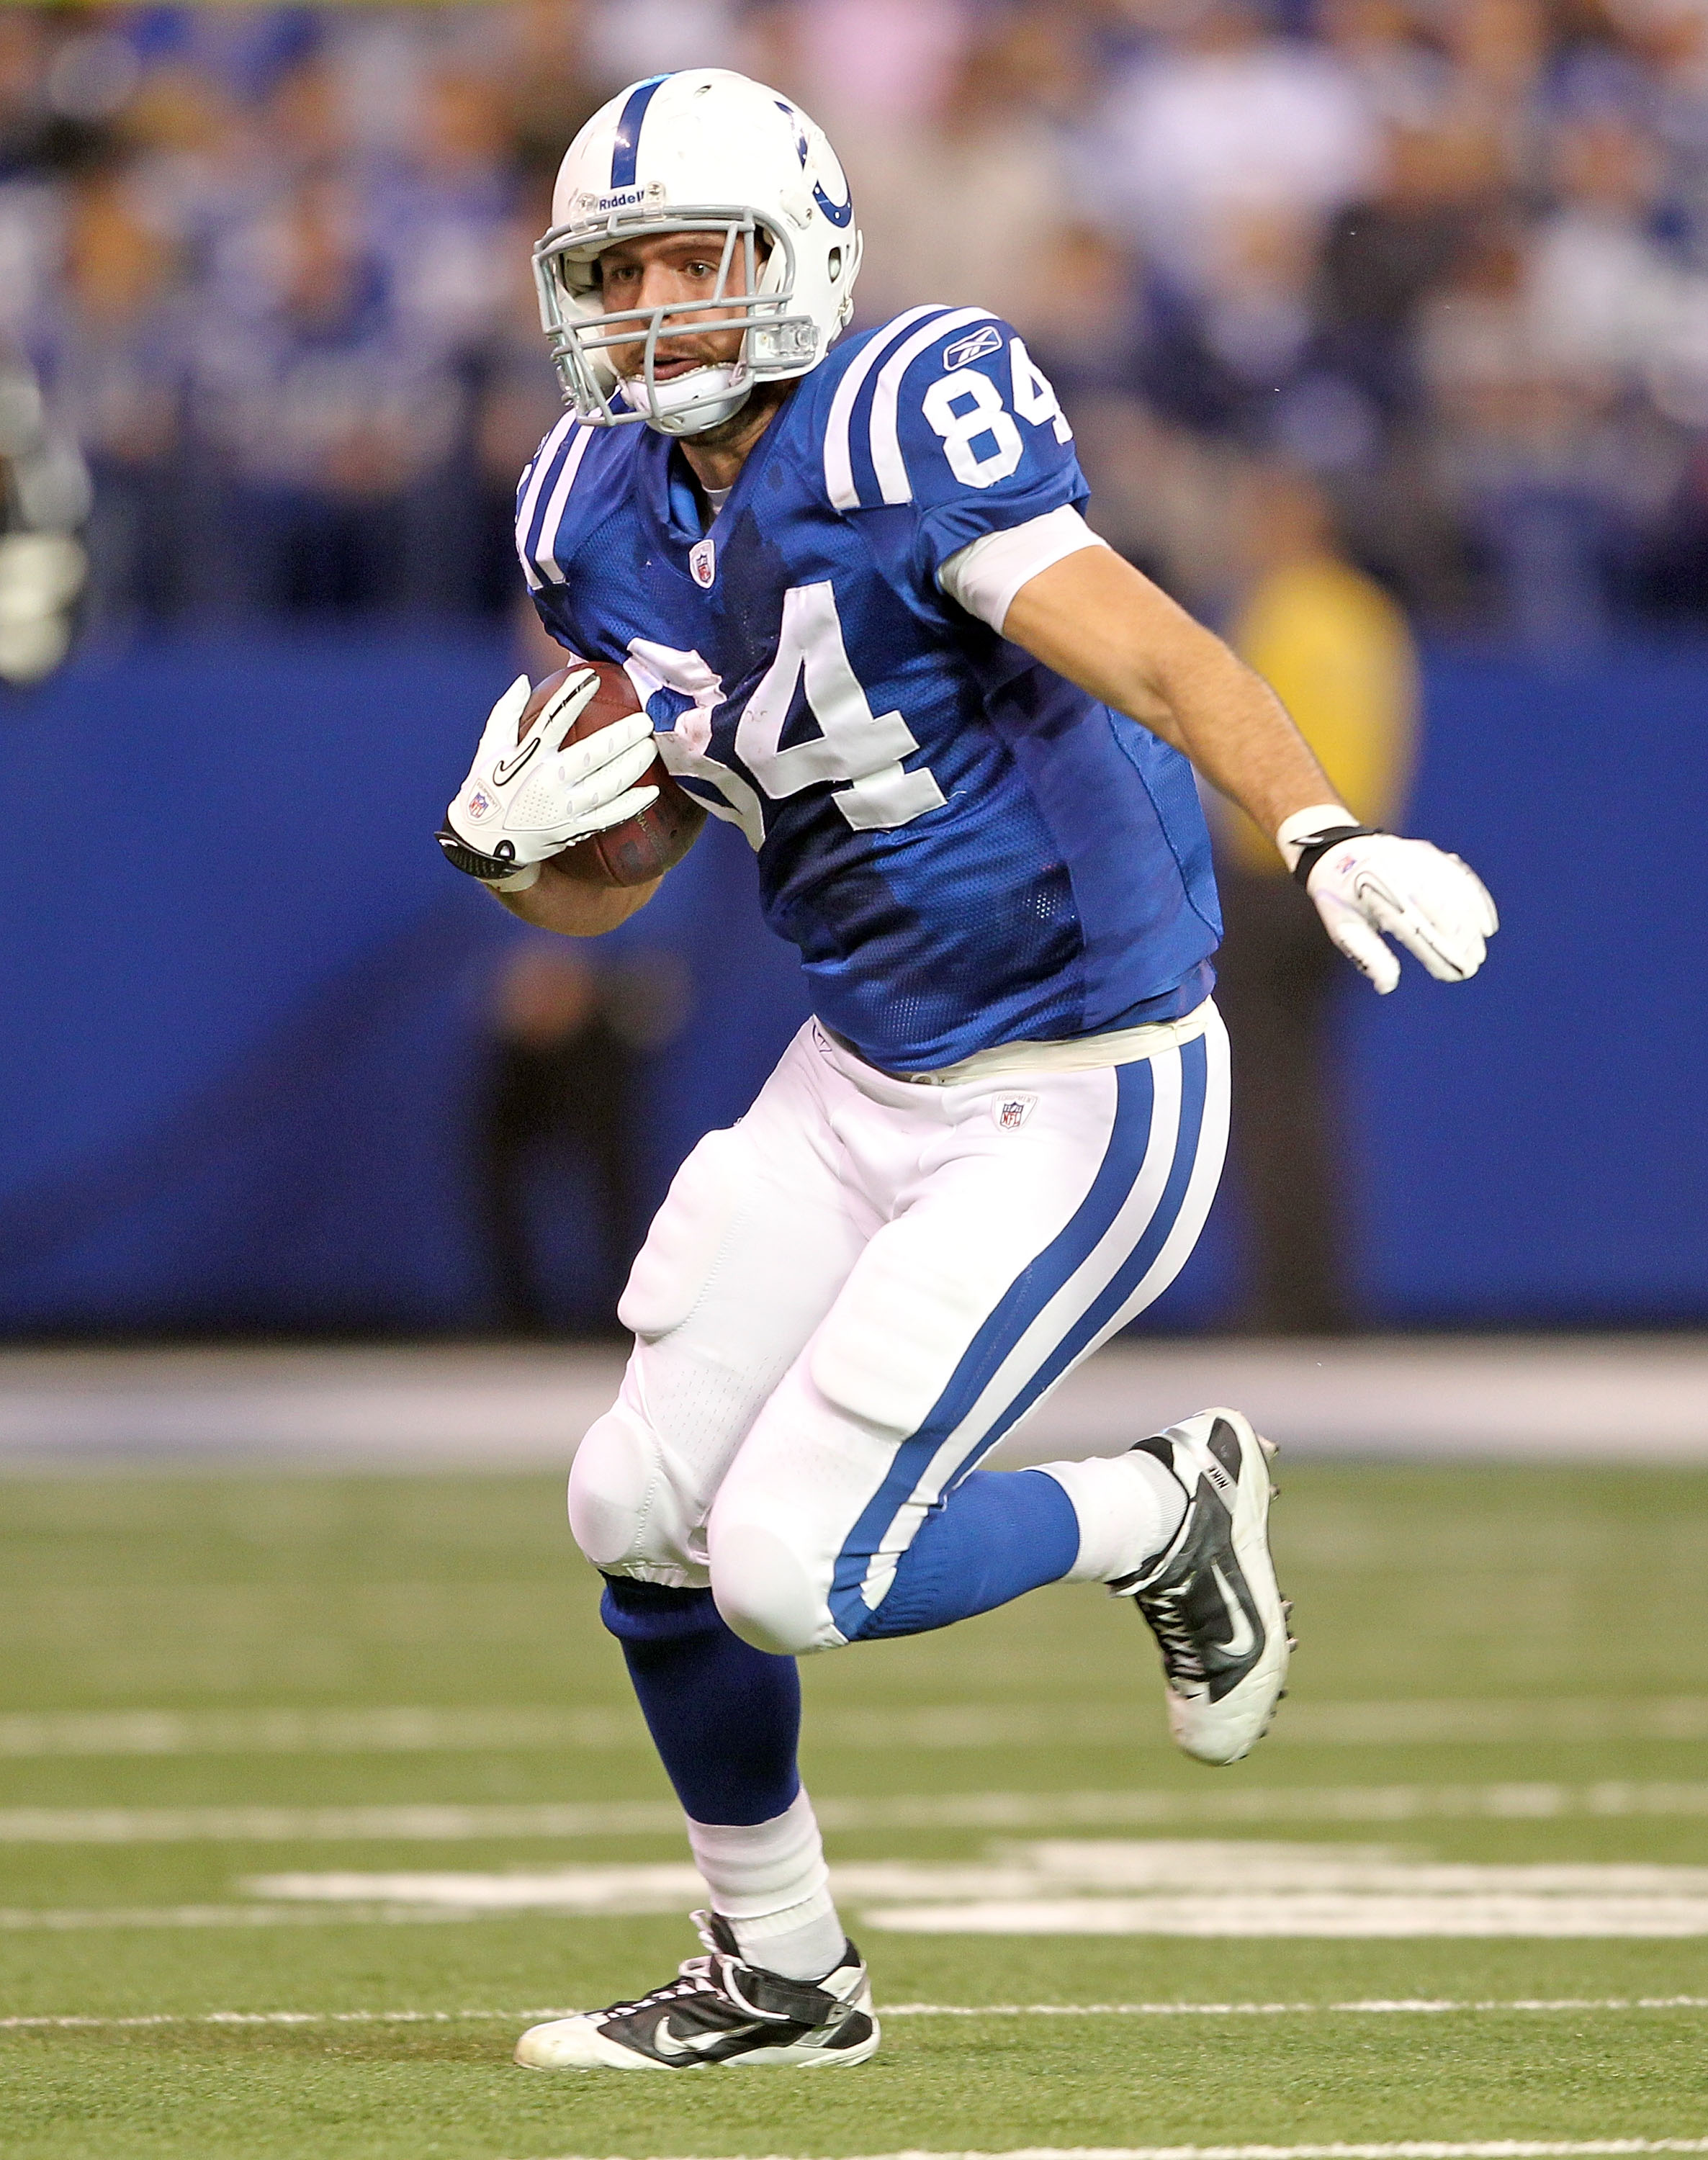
(676, 2045)
(1242, 1640)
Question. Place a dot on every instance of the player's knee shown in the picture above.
(766, 1593)
(612, 1489)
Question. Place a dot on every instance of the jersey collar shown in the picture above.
(677, 499)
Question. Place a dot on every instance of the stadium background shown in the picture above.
(1449, 262)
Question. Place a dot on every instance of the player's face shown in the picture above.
(674, 268)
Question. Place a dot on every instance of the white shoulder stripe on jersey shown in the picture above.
(838, 457)
(887, 460)
(531, 494)
(544, 561)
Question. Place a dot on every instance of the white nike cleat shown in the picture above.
(1211, 1598)
(719, 2010)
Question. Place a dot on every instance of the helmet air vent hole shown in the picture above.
(834, 264)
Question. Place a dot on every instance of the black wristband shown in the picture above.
(470, 861)
(1313, 851)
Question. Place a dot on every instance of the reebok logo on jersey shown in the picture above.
(972, 347)
(1012, 1111)
(702, 561)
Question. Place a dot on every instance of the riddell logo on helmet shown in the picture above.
(588, 204)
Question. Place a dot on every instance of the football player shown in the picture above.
(854, 591)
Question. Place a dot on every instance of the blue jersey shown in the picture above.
(967, 849)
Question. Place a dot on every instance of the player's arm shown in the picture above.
(573, 907)
(1094, 618)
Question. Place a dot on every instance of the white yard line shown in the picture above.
(245, 2018)
(1043, 1868)
(30, 1736)
(54, 1920)
(992, 1811)
(1193, 1887)
(1502, 2148)
(1404, 2006)
(1299, 1916)
(408, 1729)
(1421, 2007)
(317, 1825)
(1231, 1919)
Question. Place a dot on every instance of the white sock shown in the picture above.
(769, 1880)
(802, 1942)
(1129, 1507)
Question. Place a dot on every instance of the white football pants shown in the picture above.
(851, 1295)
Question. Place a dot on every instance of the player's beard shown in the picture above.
(747, 425)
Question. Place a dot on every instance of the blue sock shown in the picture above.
(999, 1534)
(725, 1717)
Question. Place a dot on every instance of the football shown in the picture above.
(640, 848)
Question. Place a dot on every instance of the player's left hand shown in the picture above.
(1371, 885)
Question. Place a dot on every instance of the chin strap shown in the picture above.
(727, 400)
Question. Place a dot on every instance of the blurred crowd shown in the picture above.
(1445, 262)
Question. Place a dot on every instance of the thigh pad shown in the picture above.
(920, 1293)
(673, 1267)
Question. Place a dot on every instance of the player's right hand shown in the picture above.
(524, 802)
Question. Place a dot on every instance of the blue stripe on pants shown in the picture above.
(1021, 1304)
(1195, 1076)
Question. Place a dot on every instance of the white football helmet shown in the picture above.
(702, 151)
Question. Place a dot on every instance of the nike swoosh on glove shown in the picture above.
(1371, 885)
(525, 802)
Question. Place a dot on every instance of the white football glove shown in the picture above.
(1369, 885)
(524, 802)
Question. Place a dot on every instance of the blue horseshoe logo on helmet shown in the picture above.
(840, 214)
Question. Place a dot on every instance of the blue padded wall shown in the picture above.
(246, 996)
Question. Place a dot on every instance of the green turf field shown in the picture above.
(1502, 1668)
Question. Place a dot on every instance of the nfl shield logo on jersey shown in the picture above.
(1012, 1111)
(702, 561)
